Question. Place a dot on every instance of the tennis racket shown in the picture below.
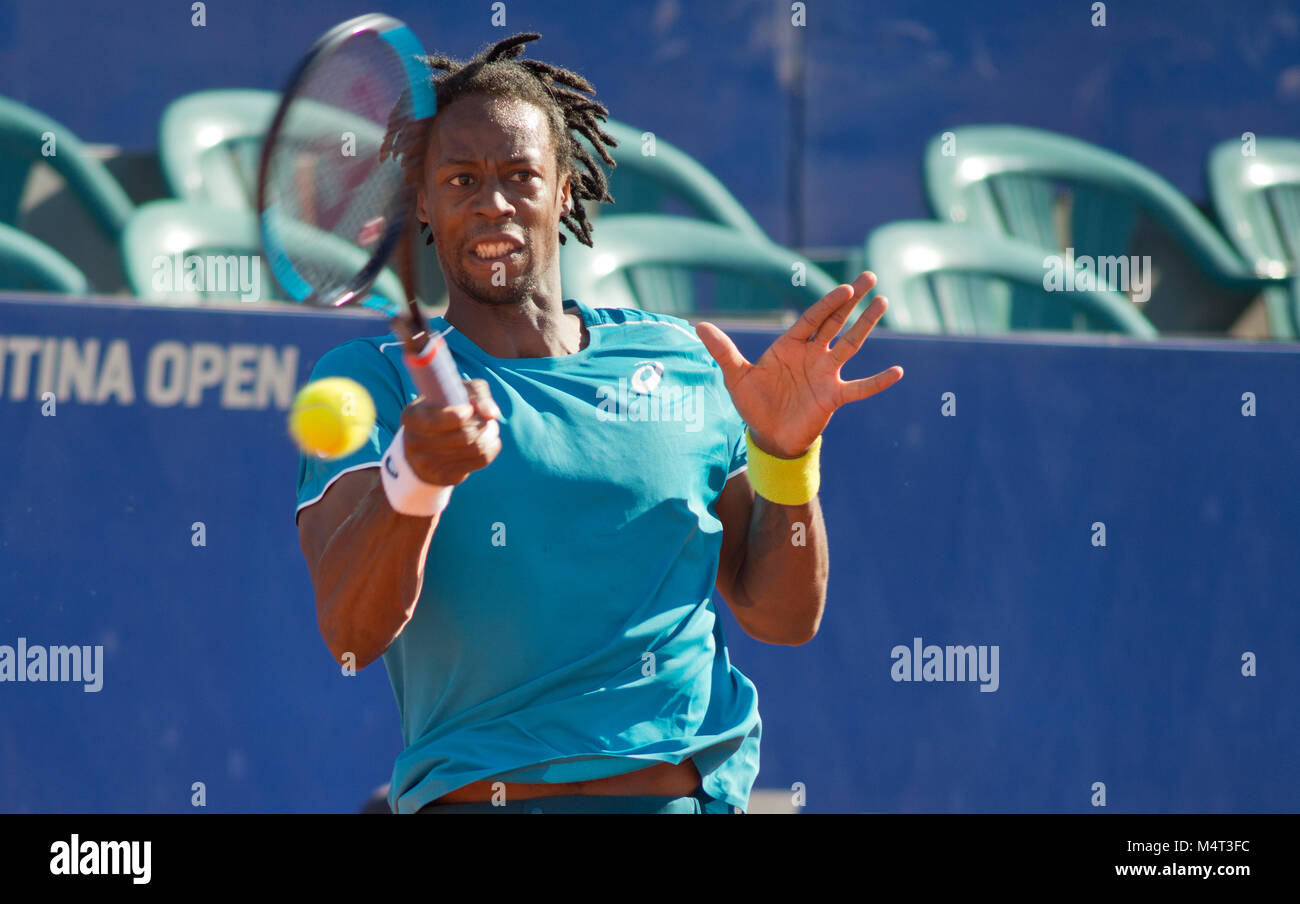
(332, 200)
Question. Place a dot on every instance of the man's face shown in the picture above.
(490, 178)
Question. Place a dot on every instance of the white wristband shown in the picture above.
(407, 493)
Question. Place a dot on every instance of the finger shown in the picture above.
(857, 334)
(481, 398)
(831, 325)
(476, 431)
(723, 350)
(441, 465)
(857, 390)
(815, 316)
(426, 417)
(484, 447)
(490, 435)
(467, 435)
(812, 318)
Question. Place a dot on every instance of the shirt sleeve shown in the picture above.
(739, 456)
(361, 361)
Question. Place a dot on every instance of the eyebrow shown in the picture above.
(467, 161)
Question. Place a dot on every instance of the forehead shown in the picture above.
(496, 128)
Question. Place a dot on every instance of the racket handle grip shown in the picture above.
(433, 370)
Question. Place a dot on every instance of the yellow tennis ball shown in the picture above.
(332, 417)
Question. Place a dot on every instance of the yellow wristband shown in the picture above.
(785, 481)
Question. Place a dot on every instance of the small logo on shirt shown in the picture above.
(646, 377)
(645, 397)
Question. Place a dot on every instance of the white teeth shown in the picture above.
(495, 250)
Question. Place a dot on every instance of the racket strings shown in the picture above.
(335, 196)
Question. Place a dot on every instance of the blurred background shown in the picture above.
(820, 133)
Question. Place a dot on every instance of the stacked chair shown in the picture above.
(26, 263)
(1006, 200)
(1257, 198)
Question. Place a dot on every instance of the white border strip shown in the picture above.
(675, 326)
(360, 467)
(384, 345)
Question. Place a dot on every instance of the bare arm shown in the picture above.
(774, 561)
(774, 564)
(366, 560)
(366, 563)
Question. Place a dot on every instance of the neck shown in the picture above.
(536, 327)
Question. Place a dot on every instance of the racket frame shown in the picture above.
(429, 361)
(423, 105)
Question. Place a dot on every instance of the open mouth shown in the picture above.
(492, 251)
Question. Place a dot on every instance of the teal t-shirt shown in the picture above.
(567, 629)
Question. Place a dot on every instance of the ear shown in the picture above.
(566, 195)
(421, 212)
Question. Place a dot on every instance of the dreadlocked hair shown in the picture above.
(557, 92)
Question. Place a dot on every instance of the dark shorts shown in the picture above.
(699, 802)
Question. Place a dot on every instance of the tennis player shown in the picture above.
(537, 567)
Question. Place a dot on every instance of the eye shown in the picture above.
(459, 176)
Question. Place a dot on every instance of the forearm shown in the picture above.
(369, 578)
(782, 582)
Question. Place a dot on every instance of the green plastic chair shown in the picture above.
(30, 265)
(652, 183)
(23, 134)
(1005, 180)
(164, 229)
(1257, 200)
(210, 144)
(945, 278)
(686, 267)
(842, 262)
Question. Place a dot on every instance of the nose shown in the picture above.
(491, 199)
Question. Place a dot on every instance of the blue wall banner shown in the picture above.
(1062, 574)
